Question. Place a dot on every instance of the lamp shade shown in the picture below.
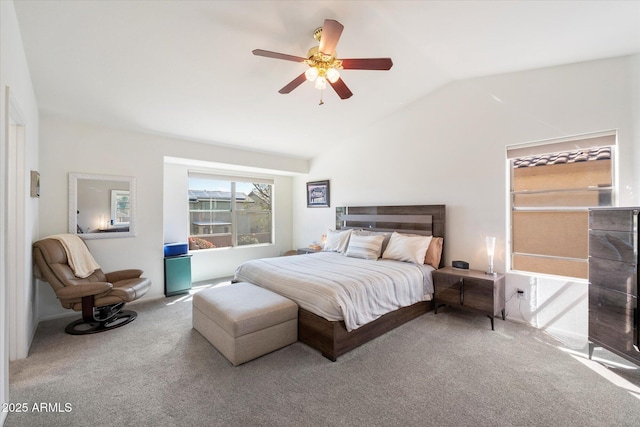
(321, 82)
(491, 246)
(311, 73)
(333, 75)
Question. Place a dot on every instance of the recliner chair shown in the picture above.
(100, 297)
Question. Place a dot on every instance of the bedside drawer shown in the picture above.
(478, 294)
(447, 288)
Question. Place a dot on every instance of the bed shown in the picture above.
(345, 301)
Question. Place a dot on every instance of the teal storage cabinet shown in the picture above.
(177, 275)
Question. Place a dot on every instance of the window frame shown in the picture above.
(234, 211)
(549, 147)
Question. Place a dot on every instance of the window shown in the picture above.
(552, 186)
(229, 211)
(120, 207)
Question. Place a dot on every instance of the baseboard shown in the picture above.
(68, 313)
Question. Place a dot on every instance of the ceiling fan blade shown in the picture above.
(331, 31)
(341, 89)
(276, 55)
(293, 84)
(367, 64)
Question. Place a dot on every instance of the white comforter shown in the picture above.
(337, 287)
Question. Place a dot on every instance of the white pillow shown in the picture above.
(367, 247)
(407, 248)
(337, 241)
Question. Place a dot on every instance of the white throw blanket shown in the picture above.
(80, 259)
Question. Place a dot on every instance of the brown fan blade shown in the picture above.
(293, 84)
(276, 55)
(367, 64)
(331, 31)
(341, 89)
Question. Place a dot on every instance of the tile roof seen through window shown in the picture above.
(600, 153)
(195, 195)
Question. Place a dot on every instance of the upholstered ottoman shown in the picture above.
(244, 321)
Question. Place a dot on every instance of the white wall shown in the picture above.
(72, 146)
(449, 148)
(15, 78)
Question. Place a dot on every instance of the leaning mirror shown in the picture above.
(102, 206)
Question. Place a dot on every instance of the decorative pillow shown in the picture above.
(434, 252)
(386, 234)
(337, 241)
(367, 247)
(402, 247)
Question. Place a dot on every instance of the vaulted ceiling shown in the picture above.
(185, 68)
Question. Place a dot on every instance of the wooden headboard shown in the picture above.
(428, 220)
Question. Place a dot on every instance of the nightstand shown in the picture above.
(303, 251)
(471, 289)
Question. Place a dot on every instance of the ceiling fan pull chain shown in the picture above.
(321, 101)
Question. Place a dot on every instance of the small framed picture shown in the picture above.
(35, 184)
(318, 194)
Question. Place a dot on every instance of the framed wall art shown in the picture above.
(318, 194)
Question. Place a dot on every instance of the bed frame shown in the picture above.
(331, 338)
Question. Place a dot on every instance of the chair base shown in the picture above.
(84, 327)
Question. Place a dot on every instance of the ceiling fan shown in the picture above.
(323, 63)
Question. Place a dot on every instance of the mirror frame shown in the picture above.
(73, 205)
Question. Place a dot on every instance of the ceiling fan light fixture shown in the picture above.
(333, 75)
(311, 73)
(323, 62)
(321, 83)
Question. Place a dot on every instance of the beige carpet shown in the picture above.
(447, 369)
